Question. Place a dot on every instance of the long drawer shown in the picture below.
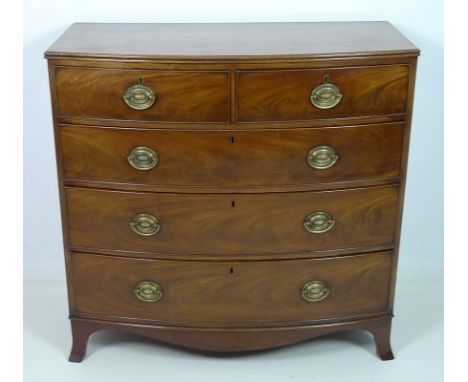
(295, 95)
(231, 223)
(143, 95)
(232, 158)
(231, 293)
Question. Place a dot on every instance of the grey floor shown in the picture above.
(417, 340)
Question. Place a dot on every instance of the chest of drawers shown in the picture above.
(232, 187)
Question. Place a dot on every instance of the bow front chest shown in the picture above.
(231, 187)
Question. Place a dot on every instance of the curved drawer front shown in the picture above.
(233, 158)
(288, 95)
(231, 223)
(176, 96)
(231, 293)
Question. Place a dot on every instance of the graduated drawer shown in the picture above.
(178, 96)
(231, 223)
(286, 95)
(231, 293)
(232, 158)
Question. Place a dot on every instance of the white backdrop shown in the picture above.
(420, 20)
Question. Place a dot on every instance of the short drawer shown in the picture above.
(254, 158)
(231, 223)
(231, 293)
(145, 95)
(295, 95)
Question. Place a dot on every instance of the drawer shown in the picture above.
(231, 223)
(231, 293)
(178, 96)
(285, 95)
(232, 158)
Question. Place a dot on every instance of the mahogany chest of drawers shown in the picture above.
(232, 187)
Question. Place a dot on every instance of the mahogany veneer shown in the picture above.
(183, 96)
(227, 294)
(228, 159)
(283, 95)
(218, 224)
(232, 187)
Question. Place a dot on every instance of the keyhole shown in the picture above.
(232, 140)
(231, 270)
(326, 78)
(233, 204)
(140, 81)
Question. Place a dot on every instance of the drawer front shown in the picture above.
(179, 96)
(283, 95)
(231, 293)
(226, 158)
(231, 223)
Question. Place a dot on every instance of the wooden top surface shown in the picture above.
(231, 41)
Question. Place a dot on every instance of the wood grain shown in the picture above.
(233, 340)
(230, 223)
(181, 96)
(284, 95)
(404, 166)
(230, 41)
(232, 293)
(232, 212)
(232, 158)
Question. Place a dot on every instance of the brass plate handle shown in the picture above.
(315, 290)
(139, 97)
(145, 225)
(148, 291)
(319, 222)
(143, 158)
(326, 96)
(322, 157)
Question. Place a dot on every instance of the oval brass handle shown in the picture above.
(315, 290)
(319, 222)
(148, 291)
(325, 96)
(145, 225)
(139, 97)
(143, 158)
(322, 157)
